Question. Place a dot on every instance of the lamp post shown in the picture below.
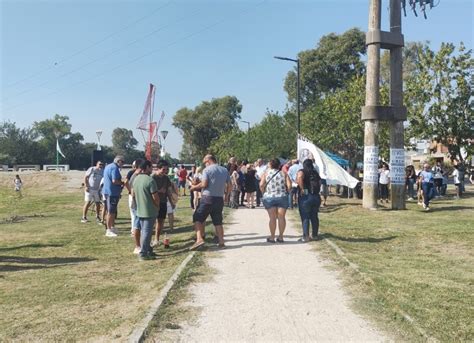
(98, 133)
(297, 61)
(248, 137)
(164, 133)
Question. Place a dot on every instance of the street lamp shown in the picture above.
(248, 137)
(297, 61)
(98, 133)
(164, 133)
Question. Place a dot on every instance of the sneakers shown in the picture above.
(410, 199)
(84, 220)
(110, 233)
(424, 206)
(427, 208)
(137, 250)
(146, 257)
(154, 243)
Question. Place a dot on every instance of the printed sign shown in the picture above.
(371, 161)
(397, 166)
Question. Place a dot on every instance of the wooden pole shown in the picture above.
(372, 98)
(397, 151)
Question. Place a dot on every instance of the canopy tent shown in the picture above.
(339, 160)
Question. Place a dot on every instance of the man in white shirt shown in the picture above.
(92, 183)
(292, 173)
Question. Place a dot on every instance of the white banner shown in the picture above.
(328, 168)
(397, 166)
(371, 164)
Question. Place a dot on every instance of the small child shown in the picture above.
(18, 183)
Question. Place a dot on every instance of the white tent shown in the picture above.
(328, 168)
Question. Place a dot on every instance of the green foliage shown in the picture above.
(206, 122)
(123, 143)
(438, 95)
(18, 146)
(335, 60)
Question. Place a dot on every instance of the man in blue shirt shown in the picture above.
(427, 185)
(112, 189)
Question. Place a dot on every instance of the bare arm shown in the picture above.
(127, 186)
(300, 181)
(201, 185)
(156, 199)
(262, 182)
(287, 181)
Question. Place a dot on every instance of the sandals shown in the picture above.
(269, 240)
(280, 240)
(197, 245)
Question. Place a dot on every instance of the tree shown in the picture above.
(206, 122)
(335, 60)
(19, 146)
(47, 131)
(438, 95)
(123, 143)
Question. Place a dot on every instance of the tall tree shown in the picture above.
(438, 95)
(48, 130)
(206, 122)
(19, 146)
(335, 60)
(123, 143)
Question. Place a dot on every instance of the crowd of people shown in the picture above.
(153, 193)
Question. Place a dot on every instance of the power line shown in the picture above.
(78, 52)
(108, 54)
(140, 57)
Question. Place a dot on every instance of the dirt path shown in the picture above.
(271, 292)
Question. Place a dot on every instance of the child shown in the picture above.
(18, 183)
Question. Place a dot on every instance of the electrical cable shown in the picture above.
(108, 54)
(74, 54)
(140, 57)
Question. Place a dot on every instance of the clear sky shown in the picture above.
(93, 60)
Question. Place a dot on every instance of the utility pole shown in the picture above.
(373, 112)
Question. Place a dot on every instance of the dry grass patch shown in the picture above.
(63, 280)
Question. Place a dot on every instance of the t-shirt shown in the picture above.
(217, 178)
(427, 176)
(95, 176)
(293, 171)
(112, 172)
(384, 177)
(260, 170)
(182, 175)
(143, 188)
(456, 176)
(163, 183)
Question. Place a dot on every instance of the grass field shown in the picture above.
(411, 262)
(63, 280)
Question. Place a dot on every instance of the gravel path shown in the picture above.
(271, 292)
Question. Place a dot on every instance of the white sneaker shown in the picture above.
(427, 208)
(84, 220)
(410, 199)
(424, 206)
(154, 243)
(114, 230)
(110, 233)
(137, 250)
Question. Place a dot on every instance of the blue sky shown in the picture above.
(93, 60)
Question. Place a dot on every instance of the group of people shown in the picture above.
(425, 184)
(153, 195)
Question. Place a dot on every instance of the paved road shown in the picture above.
(271, 292)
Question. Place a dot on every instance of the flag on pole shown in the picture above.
(58, 149)
(328, 168)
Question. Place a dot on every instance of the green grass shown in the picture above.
(414, 262)
(63, 280)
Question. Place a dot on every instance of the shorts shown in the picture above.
(112, 203)
(279, 202)
(209, 206)
(182, 183)
(169, 208)
(92, 195)
(136, 221)
(162, 211)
